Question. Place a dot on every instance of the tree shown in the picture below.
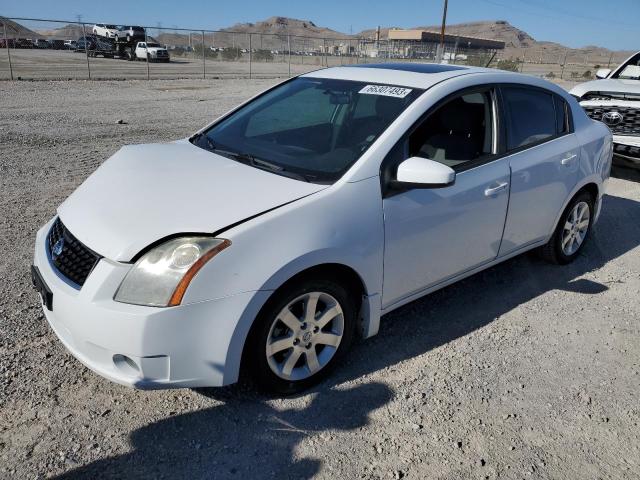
(263, 55)
(587, 74)
(510, 65)
(231, 53)
(551, 75)
(208, 53)
(479, 60)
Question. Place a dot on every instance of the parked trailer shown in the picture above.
(95, 46)
(126, 50)
(101, 46)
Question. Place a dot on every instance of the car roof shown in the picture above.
(416, 75)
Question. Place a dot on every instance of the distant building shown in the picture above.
(470, 43)
(423, 44)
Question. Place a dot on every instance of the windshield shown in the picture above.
(315, 128)
(630, 70)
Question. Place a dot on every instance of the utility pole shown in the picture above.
(440, 52)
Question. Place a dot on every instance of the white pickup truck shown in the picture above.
(614, 99)
(154, 52)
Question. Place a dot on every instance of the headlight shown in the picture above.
(161, 276)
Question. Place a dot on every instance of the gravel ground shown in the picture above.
(526, 370)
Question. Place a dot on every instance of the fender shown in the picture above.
(370, 312)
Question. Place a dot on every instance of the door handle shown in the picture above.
(493, 190)
(568, 159)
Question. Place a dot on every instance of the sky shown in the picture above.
(612, 24)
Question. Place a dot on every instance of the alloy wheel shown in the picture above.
(575, 228)
(305, 336)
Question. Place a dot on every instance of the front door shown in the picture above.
(434, 234)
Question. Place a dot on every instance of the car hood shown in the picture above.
(156, 49)
(145, 193)
(607, 85)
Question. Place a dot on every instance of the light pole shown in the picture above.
(440, 51)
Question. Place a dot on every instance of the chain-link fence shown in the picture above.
(55, 49)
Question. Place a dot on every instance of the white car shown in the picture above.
(273, 236)
(105, 30)
(152, 51)
(614, 99)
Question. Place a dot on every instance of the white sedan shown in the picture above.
(105, 30)
(272, 237)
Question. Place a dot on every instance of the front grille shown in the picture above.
(74, 260)
(630, 124)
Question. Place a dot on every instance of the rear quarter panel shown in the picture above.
(596, 153)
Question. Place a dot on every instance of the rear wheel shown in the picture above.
(301, 335)
(572, 231)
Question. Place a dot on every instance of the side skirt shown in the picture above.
(468, 273)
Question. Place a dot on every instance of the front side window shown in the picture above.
(458, 132)
(531, 116)
(630, 70)
(310, 128)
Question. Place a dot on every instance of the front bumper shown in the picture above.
(627, 148)
(193, 345)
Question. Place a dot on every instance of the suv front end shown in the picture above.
(614, 99)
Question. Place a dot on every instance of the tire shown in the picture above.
(289, 367)
(561, 249)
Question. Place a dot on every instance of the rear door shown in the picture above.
(543, 155)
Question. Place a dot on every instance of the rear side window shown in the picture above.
(531, 116)
(562, 116)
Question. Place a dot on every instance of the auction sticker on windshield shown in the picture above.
(386, 90)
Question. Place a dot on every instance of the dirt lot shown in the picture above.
(524, 371)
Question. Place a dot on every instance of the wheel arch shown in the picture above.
(368, 304)
(591, 186)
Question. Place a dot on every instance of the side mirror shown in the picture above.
(418, 172)
(603, 73)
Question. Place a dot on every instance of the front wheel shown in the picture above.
(301, 335)
(572, 231)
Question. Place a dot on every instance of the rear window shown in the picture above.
(531, 116)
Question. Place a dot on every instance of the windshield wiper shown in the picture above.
(248, 159)
(265, 165)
